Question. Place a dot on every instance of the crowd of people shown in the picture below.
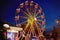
(49, 36)
(38, 36)
(45, 36)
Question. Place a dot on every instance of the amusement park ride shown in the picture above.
(29, 17)
(30, 14)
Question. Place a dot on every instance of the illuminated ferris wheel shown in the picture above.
(30, 14)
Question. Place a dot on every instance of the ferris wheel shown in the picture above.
(30, 14)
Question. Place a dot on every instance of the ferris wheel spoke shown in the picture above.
(38, 16)
(23, 17)
(39, 23)
(37, 13)
(23, 22)
(39, 20)
(28, 11)
(25, 13)
(37, 26)
(26, 27)
(32, 11)
(32, 29)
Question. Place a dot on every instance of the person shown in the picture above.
(16, 36)
(58, 38)
(37, 37)
(45, 38)
(51, 38)
(22, 35)
(27, 37)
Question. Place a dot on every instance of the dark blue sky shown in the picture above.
(51, 10)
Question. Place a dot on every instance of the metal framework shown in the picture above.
(30, 14)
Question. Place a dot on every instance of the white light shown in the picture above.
(57, 21)
(35, 19)
(16, 28)
(6, 25)
(26, 1)
(21, 3)
(12, 31)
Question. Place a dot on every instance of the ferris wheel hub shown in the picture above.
(31, 19)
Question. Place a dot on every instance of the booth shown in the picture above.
(12, 33)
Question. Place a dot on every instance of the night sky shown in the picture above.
(51, 9)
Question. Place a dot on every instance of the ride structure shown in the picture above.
(31, 15)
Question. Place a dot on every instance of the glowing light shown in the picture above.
(18, 10)
(10, 35)
(31, 3)
(21, 5)
(17, 17)
(12, 31)
(16, 28)
(42, 16)
(35, 18)
(40, 11)
(57, 21)
(26, 3)
(31, 20)
(6, 25)
(36, 6)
